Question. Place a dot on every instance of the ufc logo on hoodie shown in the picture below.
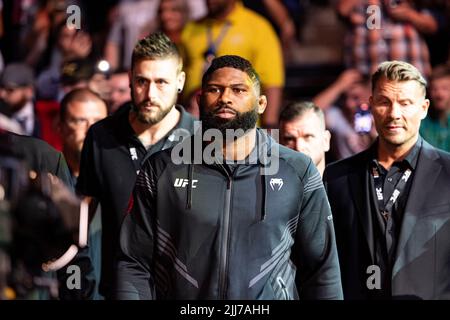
(182, 183)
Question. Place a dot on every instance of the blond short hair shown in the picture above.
(398, 71)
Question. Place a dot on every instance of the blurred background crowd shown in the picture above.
(319, 50)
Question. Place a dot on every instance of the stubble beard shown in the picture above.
(152, 117)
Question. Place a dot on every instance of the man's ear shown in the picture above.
(326, 140)
(425, 105)
(180, 81)
(262, 104)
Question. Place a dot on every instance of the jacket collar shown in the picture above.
(359, 187)
(428, 169)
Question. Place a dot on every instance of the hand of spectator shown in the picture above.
(423, 22)
(330, 95)
(347, 78)
(357, 19)
(402, 12)
(81, 45)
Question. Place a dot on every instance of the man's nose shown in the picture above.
(225, 95)
(395, 111)
(151, 91)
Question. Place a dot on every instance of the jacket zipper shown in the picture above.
(225, 241)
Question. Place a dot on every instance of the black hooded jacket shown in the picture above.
(200, 231)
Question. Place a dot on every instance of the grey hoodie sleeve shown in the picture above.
(318, 272)
(134, 275)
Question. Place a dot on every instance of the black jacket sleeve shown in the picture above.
(318, 272)
(134, 275)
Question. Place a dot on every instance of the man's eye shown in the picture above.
(141, 81)
(238, 90)
(77, 122)
(213, 90)
(405, 103)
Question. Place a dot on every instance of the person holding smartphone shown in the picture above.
(347, 116)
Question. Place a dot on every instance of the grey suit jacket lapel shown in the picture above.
(426, 174)
(359, 185)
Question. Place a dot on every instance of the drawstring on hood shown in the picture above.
(264, 140)
(264, 186)
(189, 188)
(190, 175)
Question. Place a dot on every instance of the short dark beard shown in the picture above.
(242, 120)
(142, 119)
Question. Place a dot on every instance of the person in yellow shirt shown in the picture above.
(230, 28)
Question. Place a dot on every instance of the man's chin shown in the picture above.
(148, 120)
(150, 117)
(223, 121)
(396, 141)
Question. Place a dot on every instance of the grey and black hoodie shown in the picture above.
(202, 231)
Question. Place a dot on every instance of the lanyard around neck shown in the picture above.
(386, 208)
(211, 51)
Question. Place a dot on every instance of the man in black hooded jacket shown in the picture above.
(248, 220)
